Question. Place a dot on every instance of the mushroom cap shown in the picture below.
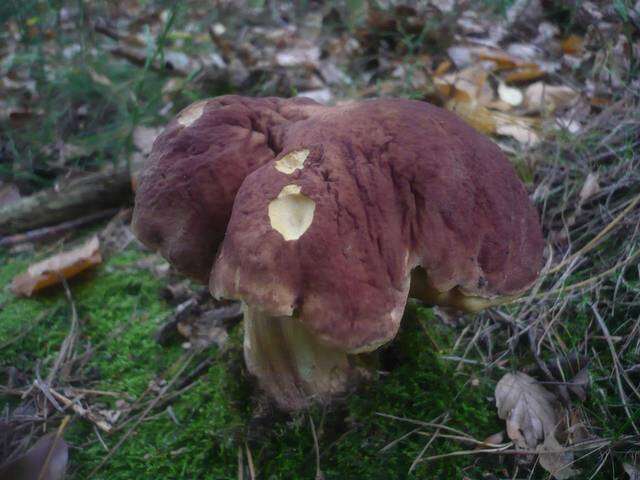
(330, 230)
(186, 190)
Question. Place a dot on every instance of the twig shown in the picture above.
(55, 230)
(83, 412)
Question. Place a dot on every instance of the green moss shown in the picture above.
(119, 309)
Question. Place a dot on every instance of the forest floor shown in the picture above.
(87, 86)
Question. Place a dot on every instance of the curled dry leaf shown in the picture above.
(46, 460)
(62, 265)
(528, 408)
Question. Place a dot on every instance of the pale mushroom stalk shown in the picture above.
(291, 365)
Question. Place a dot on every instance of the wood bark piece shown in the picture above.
(80, 197)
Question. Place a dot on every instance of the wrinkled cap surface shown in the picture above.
(330, 229)
(186, 190)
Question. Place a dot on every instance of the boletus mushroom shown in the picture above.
(324, 220)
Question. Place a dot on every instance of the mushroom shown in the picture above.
(326, 219)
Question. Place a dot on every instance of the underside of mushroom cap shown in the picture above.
(187, 187)
(385, 186)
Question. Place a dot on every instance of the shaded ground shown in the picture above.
(86, 87)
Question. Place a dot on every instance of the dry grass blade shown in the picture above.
(598, 238)
(435, 435)
(619, 371)
(66, 349)
(316, 449)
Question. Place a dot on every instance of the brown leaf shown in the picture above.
(472, 81)
(503, 60)
(526, 74)
(46, 460)
(62, 265)
(442, 68)
(528, 408)
(572, 45)
(556, 460)
(543, 97)
(521, 129)
(474, 114)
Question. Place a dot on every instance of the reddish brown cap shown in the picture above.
(186, 190)
(359, 196)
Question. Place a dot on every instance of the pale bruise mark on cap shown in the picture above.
(191, 114)
(292, 161)
(291, 212)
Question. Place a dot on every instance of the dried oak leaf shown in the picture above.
(529, 409)
(62, 265)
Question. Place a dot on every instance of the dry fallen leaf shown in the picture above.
(632, 470)
(511, 95)
(555, 459)
(62, 265)
(528, 408)
(301, 56)
(572, 45)
(590, 187)
(46, 460)
(526, 74)
(519, 128)
(491, 441)
(472, 81)
(543, 97)
(143, 137)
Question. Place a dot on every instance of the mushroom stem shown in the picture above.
(423, 289)
(290, 364)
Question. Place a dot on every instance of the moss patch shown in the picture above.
(199, 435)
